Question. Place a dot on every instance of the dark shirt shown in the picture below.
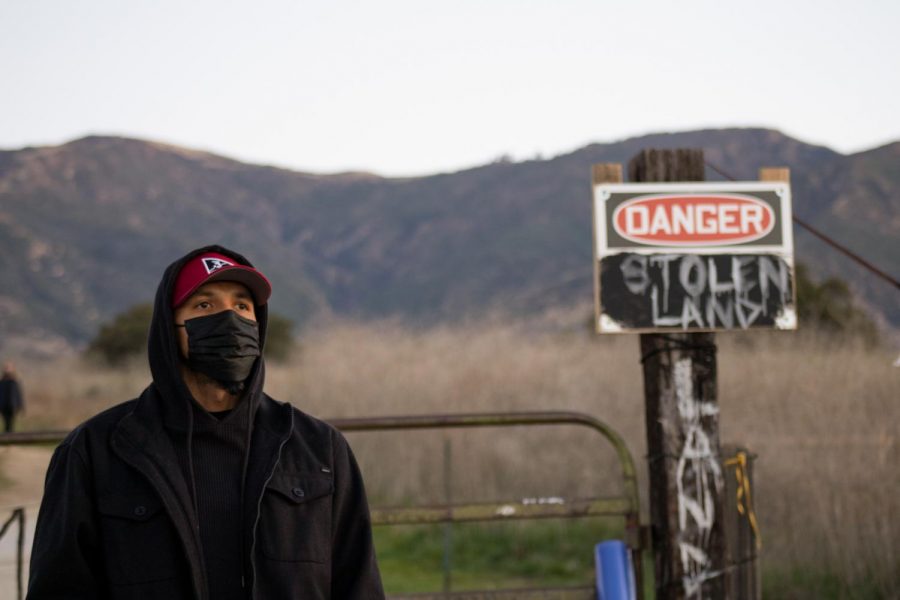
(219, 454)
(218, 451)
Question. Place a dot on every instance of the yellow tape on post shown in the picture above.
(744, 501)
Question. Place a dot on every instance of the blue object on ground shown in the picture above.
(615, 573)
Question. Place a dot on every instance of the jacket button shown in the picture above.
(298, 492)
(140, 511)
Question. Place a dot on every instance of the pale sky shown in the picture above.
(403, 87)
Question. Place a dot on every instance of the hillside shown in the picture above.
(87, 227)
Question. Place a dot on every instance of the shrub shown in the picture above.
(124, 337)
(279, 338)
(828, 305)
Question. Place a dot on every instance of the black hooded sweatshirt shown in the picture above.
(212, 450)
(156, 498)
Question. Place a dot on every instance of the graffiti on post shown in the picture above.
(698, 478)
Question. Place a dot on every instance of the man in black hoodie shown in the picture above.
(204, 487)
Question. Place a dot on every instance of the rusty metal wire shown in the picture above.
(827, 239)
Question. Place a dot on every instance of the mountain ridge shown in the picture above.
(89, 225)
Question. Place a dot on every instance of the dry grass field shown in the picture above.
(821, 415)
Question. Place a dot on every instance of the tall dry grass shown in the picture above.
(820, 413)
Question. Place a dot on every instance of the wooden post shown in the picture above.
(601, 173)
(779, 174)
(775, 174)
(682, 414)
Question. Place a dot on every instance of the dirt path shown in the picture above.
(22, 469)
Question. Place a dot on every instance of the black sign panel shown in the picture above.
(695, 291)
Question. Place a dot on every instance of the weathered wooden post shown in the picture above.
(682, 420)
(675, 261)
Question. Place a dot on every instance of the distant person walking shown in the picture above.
(10, 396)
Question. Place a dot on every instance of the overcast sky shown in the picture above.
(419, 86)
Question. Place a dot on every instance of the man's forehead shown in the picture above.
(223, 288)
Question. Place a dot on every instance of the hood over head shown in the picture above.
(163, 352)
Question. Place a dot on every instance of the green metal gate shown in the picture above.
(626, 506)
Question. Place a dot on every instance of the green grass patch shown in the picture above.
(551, 553)
(800, 583)
(491, 555)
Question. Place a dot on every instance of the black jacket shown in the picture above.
(118, 521)
(10, 395)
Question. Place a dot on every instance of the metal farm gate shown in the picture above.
(626, 506)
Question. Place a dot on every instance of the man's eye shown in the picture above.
(203, 305)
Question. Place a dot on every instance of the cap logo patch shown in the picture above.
(214, 264)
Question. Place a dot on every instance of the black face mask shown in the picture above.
(222, 346)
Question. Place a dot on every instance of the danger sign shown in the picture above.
(687, 220)
(694, 256)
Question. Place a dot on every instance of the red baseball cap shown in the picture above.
(213, 266)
